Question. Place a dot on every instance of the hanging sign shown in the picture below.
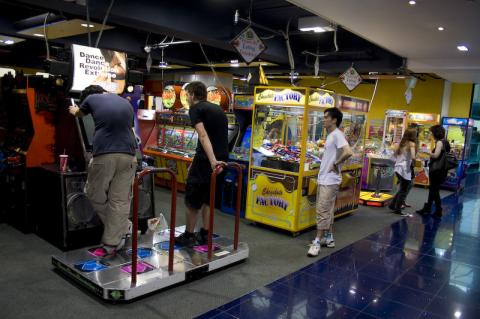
(248, 45)
(351, 78)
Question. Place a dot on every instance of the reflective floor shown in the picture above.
(419, 267)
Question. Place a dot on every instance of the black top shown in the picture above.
(216, 124)
(113, 117)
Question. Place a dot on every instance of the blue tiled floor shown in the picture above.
(419, 267)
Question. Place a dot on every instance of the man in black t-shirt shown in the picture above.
(112, 168)
(211, 125)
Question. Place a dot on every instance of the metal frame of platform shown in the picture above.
(158, 264)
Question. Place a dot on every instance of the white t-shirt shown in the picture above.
(335, 141)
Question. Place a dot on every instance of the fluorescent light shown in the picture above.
(1, 41)
(412, 2)
(441, 28)
(462, 48)
(400, 77)
(87, 25)
(234, 63)
(38, 35)
(9, 42)
(315, 24)
(316, 29)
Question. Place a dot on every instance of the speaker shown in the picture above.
(64, 215)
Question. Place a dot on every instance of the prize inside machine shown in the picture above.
(459, 134)
(378, 174)
(422, 123)
(243, 106)
(473, 156)
(173, 141)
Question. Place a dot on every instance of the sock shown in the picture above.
(316, 241)
(329, 236)
(203, 231)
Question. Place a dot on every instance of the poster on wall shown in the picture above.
(93, 66)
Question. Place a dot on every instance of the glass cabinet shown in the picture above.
(287, 143)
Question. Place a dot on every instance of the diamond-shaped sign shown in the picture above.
(248, 45)
(351, 78)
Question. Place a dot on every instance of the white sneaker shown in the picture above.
(329, 241)
(314, 250)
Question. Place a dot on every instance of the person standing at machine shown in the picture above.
(405, 153)
(337, 151)
(436, 177)
(211, 125)
(112, 168)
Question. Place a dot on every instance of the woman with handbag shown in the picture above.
(437, 171)
(405, 153)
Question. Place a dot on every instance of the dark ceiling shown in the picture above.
(209, 22)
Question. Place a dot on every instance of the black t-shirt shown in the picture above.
(216, 124)
(114, 119)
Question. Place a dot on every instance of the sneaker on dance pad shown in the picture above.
(314, 249)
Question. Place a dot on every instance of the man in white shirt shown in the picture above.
(336, 152)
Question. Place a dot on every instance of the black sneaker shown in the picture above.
(186, 239)
(202, 236)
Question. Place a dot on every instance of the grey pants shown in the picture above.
(109, 189)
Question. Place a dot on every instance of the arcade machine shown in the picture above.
(29, 143)
(286, 149)
(67, 219)
(157, 263)
(459, 134)
(173, 141)
(422, 123)
(243, 105)
(473, 156)
(378, 173)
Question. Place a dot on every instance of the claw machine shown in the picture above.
(353, 125)
(459, 134)
(285, 155)
(422, 123)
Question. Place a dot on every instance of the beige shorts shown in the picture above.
(325, 207)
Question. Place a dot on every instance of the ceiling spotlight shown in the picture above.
(38, 35)
(441, 28)
(462, 48)
(85, 25)
(9, 42)
(163, 65)
(457, 314)
(412, 2)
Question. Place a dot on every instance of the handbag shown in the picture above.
(444, 162)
